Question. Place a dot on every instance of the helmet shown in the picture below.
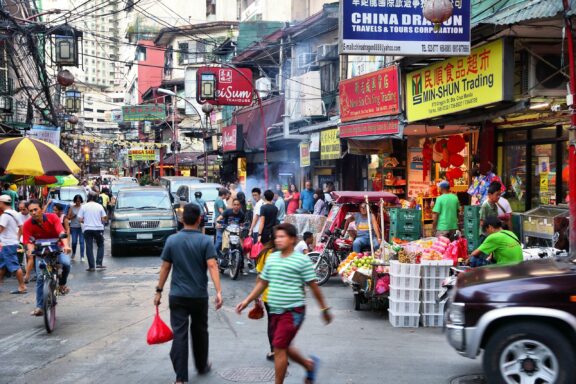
(198, 194)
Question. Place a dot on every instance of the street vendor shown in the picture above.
(360, 219)
(503, 245)
(445, 212)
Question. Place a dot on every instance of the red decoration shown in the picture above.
(444, 164)
(456, 160)
(456, 144)
(426, 158)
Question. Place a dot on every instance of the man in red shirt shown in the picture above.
(44, 226)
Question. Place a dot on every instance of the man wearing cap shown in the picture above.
(445, 212)
(10, 230)
(13, 195)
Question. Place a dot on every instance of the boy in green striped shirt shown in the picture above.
(285, 274)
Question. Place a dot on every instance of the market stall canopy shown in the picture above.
(342, 197)
(31, 157)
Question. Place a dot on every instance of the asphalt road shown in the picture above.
(102, 324)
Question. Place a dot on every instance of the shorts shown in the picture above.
(9, 258)
(285, 326)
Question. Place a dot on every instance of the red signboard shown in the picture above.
(232, 138)
(372, 95)
(390, 127)
(233, 85)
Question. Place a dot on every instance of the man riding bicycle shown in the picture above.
(44, 226)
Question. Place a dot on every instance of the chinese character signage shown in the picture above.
(390, 127)
(142, 154)
(232, 139)
(48, 134)
(371, 95)
(398, 28)
(459, 84)
(233, 86)
(144, 112)
(304, 155)
(329, 144)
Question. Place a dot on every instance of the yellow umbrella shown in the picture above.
(31, 157)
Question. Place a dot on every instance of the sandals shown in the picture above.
(19, 292)
(37, 312)
(311, 375)
(64, 290)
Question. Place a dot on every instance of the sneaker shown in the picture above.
(244, 273)
(253, 270)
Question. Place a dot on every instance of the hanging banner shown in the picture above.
(45, 133)
(304, 155)
(459, 84)
(399, 28)
(143, 155)
(371, 95)
(418, 184)
(315, 142)
(389, 127)
(144, 112)
(329, 144)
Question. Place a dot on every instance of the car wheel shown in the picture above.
(117, 250)
(529, 352)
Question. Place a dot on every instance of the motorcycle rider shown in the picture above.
(44, 226)
(233, 215)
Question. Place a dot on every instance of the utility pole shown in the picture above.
(175, 132)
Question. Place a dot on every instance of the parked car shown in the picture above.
(128, 180)
(523, 317)
(209, 194)
(172, 183)
(142, 216)
(67, 193)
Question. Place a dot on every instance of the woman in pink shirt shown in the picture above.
(292, 200)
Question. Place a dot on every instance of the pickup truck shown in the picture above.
(523, 317)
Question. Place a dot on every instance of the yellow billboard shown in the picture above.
(461, 83)
(329, 144)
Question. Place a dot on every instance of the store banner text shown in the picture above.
(329, 145)
(304, 155)
(142, 154)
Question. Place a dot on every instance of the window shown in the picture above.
(329, 78)
(88, 118)
(100, 111)
(191, 52)
(88, 110)
(140, 53)
(101, 120)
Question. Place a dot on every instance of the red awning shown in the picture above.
(251, 121)
(357, 197)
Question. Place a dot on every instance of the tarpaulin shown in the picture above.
(250, 119)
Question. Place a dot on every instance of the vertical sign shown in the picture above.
(329, 145)
(304, 155)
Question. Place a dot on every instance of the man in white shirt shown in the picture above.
(258, 202)
(93, 216)
(10, 231)
(304, 245)
(23, 210)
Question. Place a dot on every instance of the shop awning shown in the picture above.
(365, 137)
(320, 126)
(251, 120)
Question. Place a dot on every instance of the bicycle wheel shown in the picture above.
(235, 263)
(49, 304)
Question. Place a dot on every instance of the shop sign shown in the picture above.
(142, 154)
(329, 144)
(304, 155)
(389, 127)
(233, 86)
(398, 28)
(459, 84)
(144, 112)
(371, 95)
(241, 171)
(45, 133)
(232, 139)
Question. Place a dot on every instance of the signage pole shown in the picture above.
(175, 133)
(572, 132)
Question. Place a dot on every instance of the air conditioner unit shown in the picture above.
(327, 52)
(305, 60)
(539, 78)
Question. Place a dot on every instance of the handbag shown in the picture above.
(159, 332)
(257, 312)
(256, 250)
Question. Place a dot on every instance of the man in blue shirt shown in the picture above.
(189, 254)
(307, 197)
(281, 205)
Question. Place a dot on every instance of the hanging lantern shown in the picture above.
(65, 78)
(65, 41)
(73, 120)
(73, 102)
(437, 12)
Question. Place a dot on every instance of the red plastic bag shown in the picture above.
(159, 332)
(256, 249)
(247, 244)
(257, 312)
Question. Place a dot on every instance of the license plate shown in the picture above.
(144, 236)
(234, 239)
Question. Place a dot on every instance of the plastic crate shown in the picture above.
(405, 215)
(406, 227)
(472, 212)
(471, 225)
(403, 269)
(404, 236)
(404, 294)
(429, 295)
(412, 282)
(404, 307)
(432, 283)
(404, 321)
(432, 307)
(436, 271)
(432, 320)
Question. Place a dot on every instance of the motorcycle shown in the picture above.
(335, 251)
(232, 257)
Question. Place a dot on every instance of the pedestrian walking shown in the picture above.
(189, 255)
(269, 214)
(307, 197)
(255, 225)
(280, 204)
(293, 200)
(76, 226)
(285, 275)
(58, 210)
(219, 208)
(93, 216)
(267, 251)
(10, 231)
(320, 207)
(445, 212)
(504, 213)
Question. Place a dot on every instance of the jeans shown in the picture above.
(90, 236)
(189, 313)
(62, 259)
(218, 244)
(77, 236)
(363, 242)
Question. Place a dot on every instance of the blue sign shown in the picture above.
(398, 28)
